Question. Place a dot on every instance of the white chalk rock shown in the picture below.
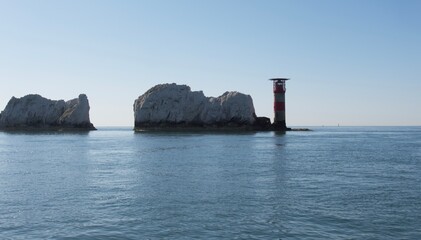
(177, 104)
(36, 111)
(77, 111)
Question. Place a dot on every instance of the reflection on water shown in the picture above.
(328, 183)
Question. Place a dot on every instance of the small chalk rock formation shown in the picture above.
(36, 112)
(172, 105)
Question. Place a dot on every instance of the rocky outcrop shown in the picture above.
(36, 112)
(175, 106)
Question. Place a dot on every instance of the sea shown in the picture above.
(114, 183)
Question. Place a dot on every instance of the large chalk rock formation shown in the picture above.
(171, 105)
(33, 111)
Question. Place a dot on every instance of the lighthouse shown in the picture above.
(279, 103)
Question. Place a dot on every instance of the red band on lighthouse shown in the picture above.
(279, 106)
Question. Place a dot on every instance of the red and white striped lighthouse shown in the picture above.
(279, 102)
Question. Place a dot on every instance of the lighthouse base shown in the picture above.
(280, 126)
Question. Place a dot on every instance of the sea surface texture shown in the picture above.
(330, 183)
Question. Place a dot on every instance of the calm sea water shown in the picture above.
(331, 183)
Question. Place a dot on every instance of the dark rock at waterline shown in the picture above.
(263, 123)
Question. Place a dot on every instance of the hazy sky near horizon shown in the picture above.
(350, 62)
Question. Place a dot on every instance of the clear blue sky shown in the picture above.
(351, 62)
